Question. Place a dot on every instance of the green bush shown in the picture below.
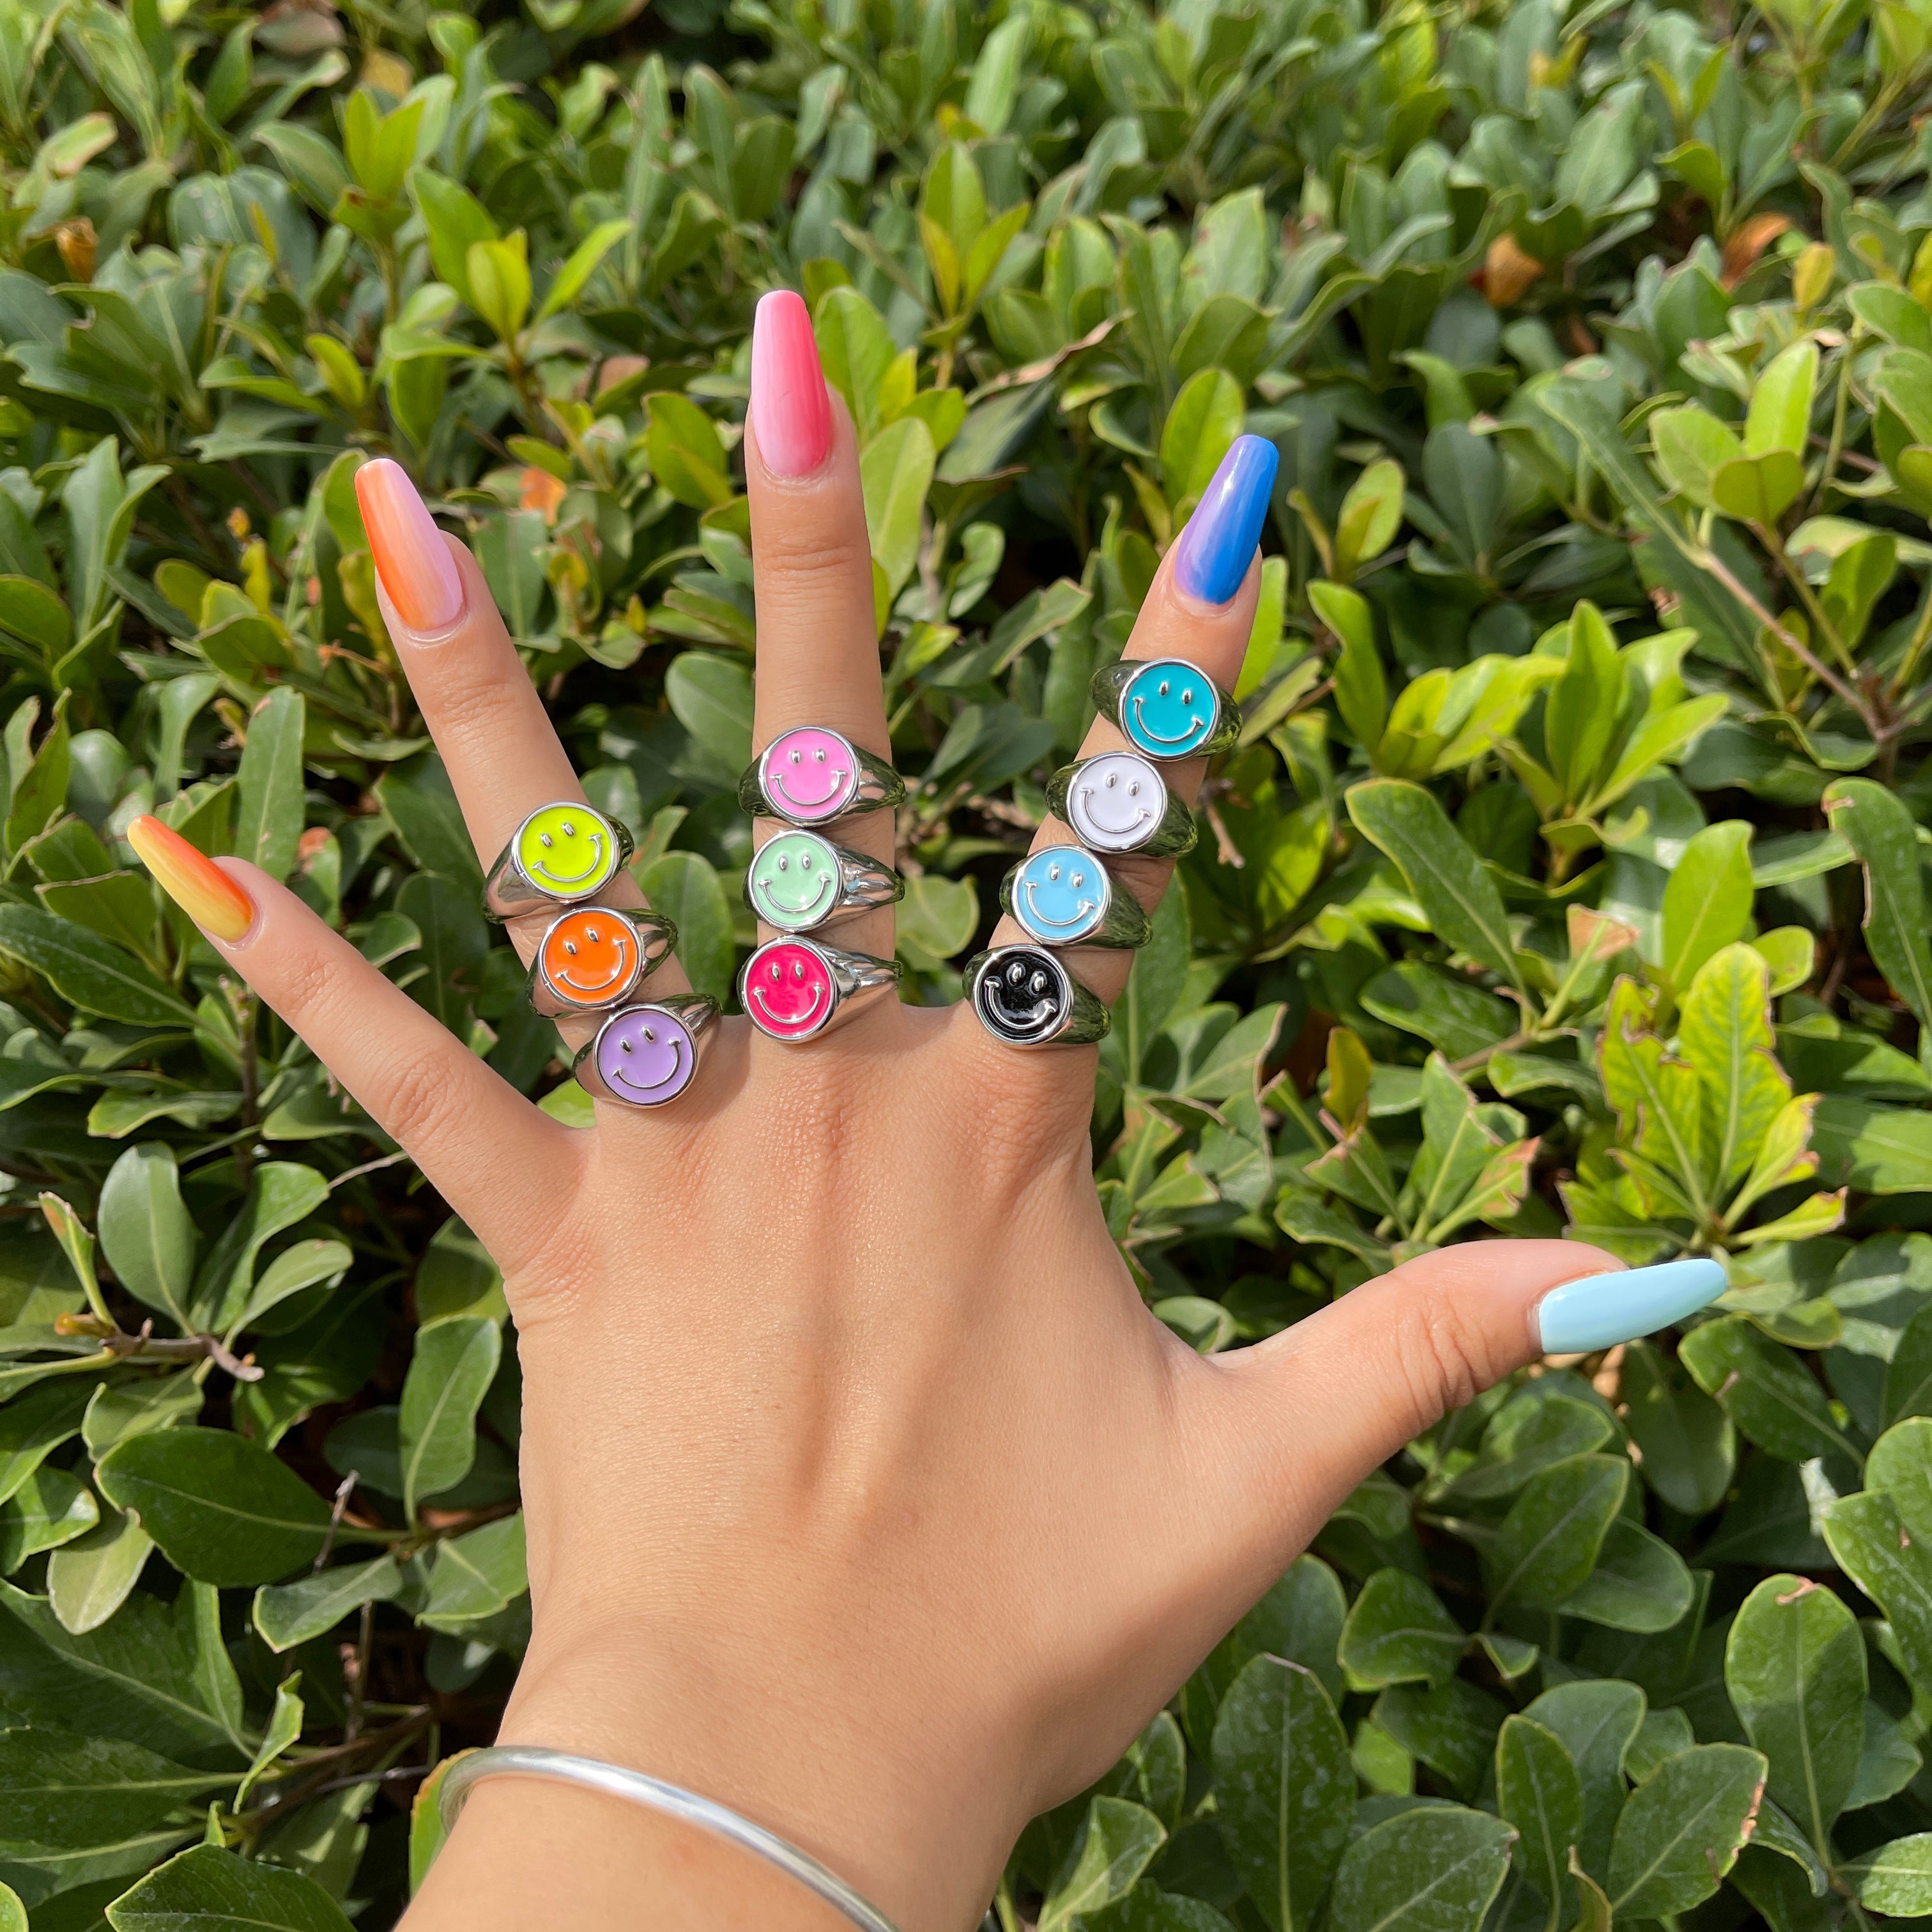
(1568, 875)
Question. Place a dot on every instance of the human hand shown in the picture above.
(863, 1492)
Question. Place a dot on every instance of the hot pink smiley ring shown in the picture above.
(794, 990)
(810, 775)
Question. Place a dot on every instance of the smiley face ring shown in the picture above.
(809, 775)
(1166, 707)
(1063, 896)
(798, 881)
(560, 855)
(1118, 802)
(645, 1056)
(1025, 996)
(593, 958)
(795, 990)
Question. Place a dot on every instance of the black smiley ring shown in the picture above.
(1024, 997)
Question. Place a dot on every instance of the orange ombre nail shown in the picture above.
(193, 880)
(412, 559)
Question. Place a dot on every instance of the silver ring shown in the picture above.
(561, 855)
(1025, 998)
(593, 958)
(644, 1056)
(1120, 802)
(1063, 896)
(796, 989)
(800, 881)
(1166, 707)
(809, 775)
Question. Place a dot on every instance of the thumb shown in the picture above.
(1327, 1401)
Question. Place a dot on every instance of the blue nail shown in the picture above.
(1219, 543)
(1603, 1310)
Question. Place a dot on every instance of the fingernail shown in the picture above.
(412, 559)
(1219, 543)
(1603, 1310)
(790, 410)
(193, 880)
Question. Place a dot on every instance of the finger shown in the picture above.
(812, 563)
(1299, 1421)
(501, 1165)
(1201, 608)
(498, 745)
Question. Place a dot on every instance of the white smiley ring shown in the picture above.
(1118, 802)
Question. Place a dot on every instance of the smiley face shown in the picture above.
(645, 1056)
(567, 850)
(788, 990)
(590, 958)
(1169, 709)
(794, 881)
(1115, 801)
(1059, 894)
(810, 773)
(1022, 996)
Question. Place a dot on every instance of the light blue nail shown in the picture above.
(1219, 543)
(1603, 1310)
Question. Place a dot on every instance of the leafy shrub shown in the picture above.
(1568, 874)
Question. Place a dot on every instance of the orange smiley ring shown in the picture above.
(595, 958)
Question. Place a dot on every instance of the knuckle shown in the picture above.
(805, 557)
(1442, 1357)
(475, 712)
(420, 1102)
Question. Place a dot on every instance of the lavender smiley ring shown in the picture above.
(646, 1055)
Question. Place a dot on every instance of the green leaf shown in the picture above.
(89, 1579)
(207, 1889)
(287, 1614)
(896, 472)
(145, 1232)
(1361, 691)
(450, 1373)
(1682, 1829)
(1897, 1878)
(1538, 1792)
(1284, 1789)
(1457, 892)
(1201, 427)
(1117, 1842)
(1881, 832)
(35, 1423)
(1725, 1033)
(1780, 413)
(268, 818)
(1547, 1544)
(1795, 1669)
(59, 1789)
(686, 455)
(1370, 515)
(96, 976)
(1688, 1446)
(221, 1509)
(1871, 1546)
(1639, 1583)
(1597, 1720)
(683, 887)
(1397, 1632)
(581, 265)
(1707, 902)
(1763, 1390)
(1431, 1870)
(284, 1727)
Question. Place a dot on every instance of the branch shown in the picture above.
(147, 1346)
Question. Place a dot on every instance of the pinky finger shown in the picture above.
(499, 1162)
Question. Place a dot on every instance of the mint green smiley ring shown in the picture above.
(799, 881)
(560, 855)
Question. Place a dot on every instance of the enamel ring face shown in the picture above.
(645, 1056)
(809, 775)
(595, 958)
(799, 881)
(1023, 997)
(561, 855)
(1166, 707)
(1063, 896)
(1118, 802)
(795, 990)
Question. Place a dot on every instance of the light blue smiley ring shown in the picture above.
(1063, 896)
(1166, 707)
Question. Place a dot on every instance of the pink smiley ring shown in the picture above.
(809, 775)
(645, 1056)
(796, 989)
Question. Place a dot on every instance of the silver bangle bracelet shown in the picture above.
(671, 1800)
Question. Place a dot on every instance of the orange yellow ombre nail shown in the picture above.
(193, 880)
(412, 559)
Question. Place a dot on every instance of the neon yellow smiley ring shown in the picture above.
(560, 855)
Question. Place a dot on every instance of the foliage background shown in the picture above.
(1569, 874)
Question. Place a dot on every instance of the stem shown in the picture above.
(117, 1345)
(1800, 582)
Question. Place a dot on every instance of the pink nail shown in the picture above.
(790, 410)
(412, 559)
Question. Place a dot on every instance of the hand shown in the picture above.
(863, 1492)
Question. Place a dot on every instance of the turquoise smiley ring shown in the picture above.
(798, 881)
(1063, 896)
(561, 855)
(1166, 707)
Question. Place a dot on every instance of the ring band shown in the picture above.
(798, 881)
(1166, 707)
(1118, 802)
(561, 855)
(796, 989)
(593, 958)
(1025, 998)
(644, 1056)
(810, 776)
(1063, 896)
